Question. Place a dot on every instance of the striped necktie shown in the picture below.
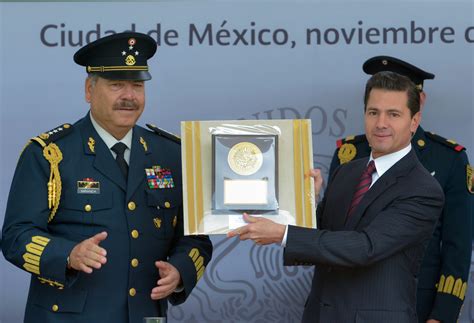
(362, 187)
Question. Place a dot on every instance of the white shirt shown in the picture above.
(382, 164)
(385, 162)
(110, 140)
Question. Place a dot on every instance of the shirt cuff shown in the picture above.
(178, 289)
(283, 242)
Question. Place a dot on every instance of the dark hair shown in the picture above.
(392, 81)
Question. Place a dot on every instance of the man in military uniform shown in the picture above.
(95, 208)
(443, 276)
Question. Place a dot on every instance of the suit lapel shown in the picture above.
(103, 159)
(345, 193)
(380, 187)
(138, 161)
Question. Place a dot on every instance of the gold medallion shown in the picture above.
(245, 158)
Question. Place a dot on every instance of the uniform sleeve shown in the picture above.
(456, 244)
(27, 242)
(190, 255)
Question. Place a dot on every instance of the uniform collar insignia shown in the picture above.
(91, 144)
(144, 144)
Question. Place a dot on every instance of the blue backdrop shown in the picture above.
(234, 60)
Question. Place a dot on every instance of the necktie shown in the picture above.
(119, 148)
(362, 187)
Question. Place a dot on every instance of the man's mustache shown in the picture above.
(126, 104)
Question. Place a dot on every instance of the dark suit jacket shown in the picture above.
(144, 224)
(444, 272)
(366, 267)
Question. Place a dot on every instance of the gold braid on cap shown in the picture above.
(53, 154)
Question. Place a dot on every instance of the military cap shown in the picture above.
(387, 63)
(121, 56)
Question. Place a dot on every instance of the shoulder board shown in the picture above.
(163, 133)
(447, 142)
(351, 140)
(53, 135)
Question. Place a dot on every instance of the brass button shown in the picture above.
(88, 208)
(131, 206)
(55, 308)
(421, 143)
(132, 292)
(134, 234)
(134, 262)
(167, 204)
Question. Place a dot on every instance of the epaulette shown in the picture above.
(447, 142)
(53, 155)
(53, 135)
(163, 133)
(351, 140)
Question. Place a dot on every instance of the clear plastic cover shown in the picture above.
(258, 167)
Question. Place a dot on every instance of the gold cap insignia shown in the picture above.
(470, 178)
(130, 60)
(346, 153)
(157, 222)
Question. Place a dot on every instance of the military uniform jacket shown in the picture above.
(144, 224)
(442, 281)
(366, 263)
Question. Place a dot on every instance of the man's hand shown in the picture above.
(88, 254)
(169, 281)
(262, 231)
(318, 182)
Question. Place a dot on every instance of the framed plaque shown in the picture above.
(245, 172)
(255, 166)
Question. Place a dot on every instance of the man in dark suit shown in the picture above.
(444, 272)
(375, 219)
(95, 208)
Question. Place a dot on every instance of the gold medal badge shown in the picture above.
(470, 178)
(346, 153)
(245, 158)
